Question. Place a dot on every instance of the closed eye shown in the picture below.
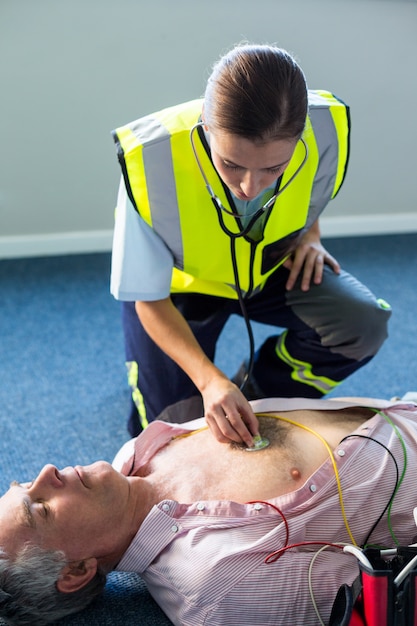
(43, 509)
(271, 170)
(230, 166)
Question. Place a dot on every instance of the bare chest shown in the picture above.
(199, 473)
(199, 468)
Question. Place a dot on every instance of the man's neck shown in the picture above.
(143, 495)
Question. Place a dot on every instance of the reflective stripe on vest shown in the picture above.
(166, 187)
(333, 147)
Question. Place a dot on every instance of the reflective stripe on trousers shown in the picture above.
(302, 370)
(137, 397)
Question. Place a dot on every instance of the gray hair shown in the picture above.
(28, 591)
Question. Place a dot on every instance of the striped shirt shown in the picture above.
(204, 562)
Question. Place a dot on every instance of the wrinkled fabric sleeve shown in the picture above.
(141, 267)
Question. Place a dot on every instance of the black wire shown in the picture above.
(396, 481)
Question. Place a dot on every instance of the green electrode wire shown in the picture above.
(401, 440)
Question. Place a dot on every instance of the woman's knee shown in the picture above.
(365, 328)
(347, 316)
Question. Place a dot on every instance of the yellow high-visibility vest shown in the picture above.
(165, 185)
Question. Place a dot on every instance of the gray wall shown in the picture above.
(73, 70)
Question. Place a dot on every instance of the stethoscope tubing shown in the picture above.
(220, 209)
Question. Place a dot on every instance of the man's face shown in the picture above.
(83, 511)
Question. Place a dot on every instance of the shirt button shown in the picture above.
(200, 506)
(341, 452)
(165, 507)
(174, 528)
(313, 488)
(257, 506)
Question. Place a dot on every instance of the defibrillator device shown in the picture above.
(383, 594)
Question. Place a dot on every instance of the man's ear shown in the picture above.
(76, 575)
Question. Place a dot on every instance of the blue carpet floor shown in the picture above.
(63, 394)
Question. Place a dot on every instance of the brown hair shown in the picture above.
(258, 92)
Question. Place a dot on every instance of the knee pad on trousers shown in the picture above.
(345, 315)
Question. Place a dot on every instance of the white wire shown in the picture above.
(310, 579)
(402, 575)
(358, 552)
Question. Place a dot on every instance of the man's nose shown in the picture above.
(48, 476)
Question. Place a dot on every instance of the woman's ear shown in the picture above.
(76, 575)
(203, 118)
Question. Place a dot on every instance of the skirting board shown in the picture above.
(85, 242)
(357, 225)
(55, 244)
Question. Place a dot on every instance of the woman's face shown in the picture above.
(248, 167)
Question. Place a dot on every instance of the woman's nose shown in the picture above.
(250, 185)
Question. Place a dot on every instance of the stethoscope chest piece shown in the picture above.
(259, 443)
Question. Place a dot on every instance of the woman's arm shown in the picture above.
(170, 331)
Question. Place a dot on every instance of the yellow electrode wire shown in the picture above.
(191, 432)
(326, 445)
(331, 455)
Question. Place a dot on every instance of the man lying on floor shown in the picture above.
(220, 534)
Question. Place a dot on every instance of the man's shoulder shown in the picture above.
(270, 405)
(156, 435)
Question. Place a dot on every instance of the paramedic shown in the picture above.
(217, 214)
(235, 540)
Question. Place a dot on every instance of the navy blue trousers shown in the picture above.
(331, 331)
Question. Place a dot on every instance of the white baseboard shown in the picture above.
(361, 225)
(56, 244)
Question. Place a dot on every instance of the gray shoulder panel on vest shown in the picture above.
(328, 147)
(161, 186)
(148, 130)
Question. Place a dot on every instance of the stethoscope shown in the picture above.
(221, 209)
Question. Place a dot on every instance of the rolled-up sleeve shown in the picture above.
(141, 267)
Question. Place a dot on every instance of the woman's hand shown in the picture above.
(309, 258)
(171, 332)
(228, 413)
